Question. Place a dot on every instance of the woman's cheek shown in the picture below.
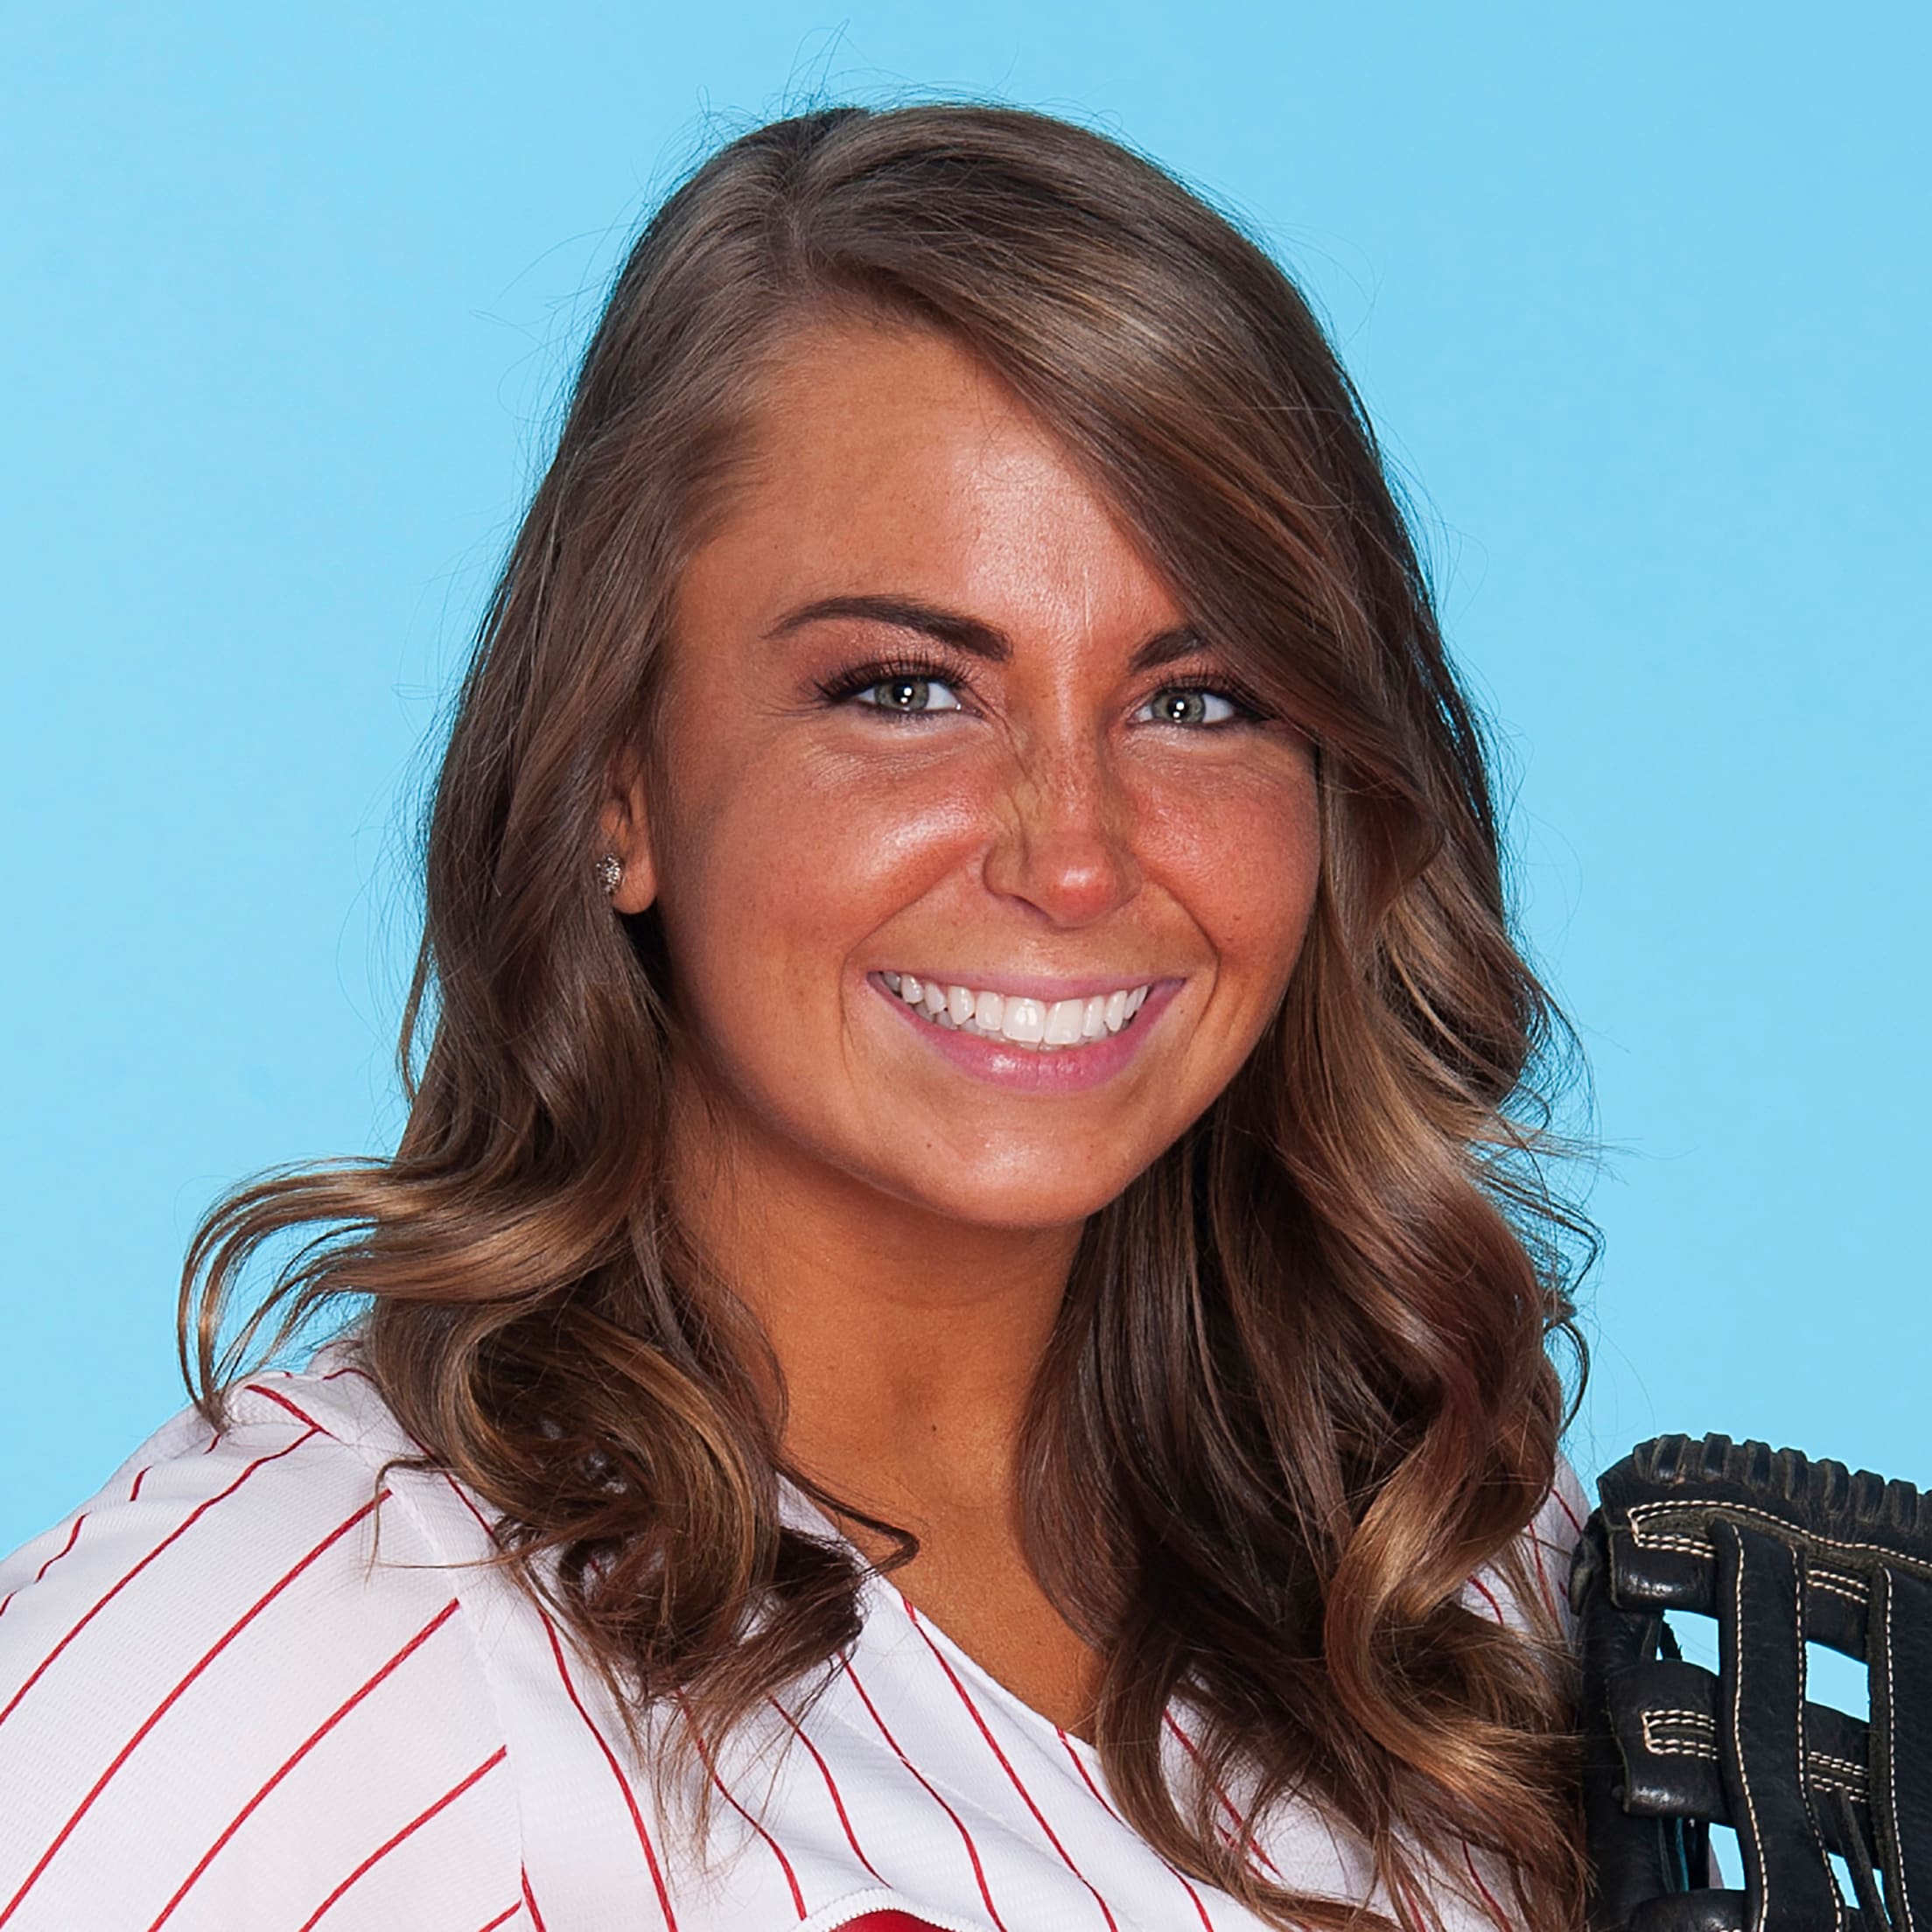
(1241, 850)
(802, 867)
(892, 816)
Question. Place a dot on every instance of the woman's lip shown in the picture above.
(1033, 985)
(1022, 1069)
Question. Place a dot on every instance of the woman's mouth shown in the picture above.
(1037, 1025)
(1059, 1039)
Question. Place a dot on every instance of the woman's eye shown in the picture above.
(1192, 705)
(908, 696)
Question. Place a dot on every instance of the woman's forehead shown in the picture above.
(894, 460)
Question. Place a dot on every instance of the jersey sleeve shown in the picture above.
(237, 1690)
(1544, 1551)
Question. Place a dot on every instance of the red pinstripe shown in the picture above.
(301, 1751)
(101, 1603)
(1489, 1897)
(617, 1769)
(1489, 1596)
(161, 1709)
(39, 1575)
(1099, 1798)
(972, 1850)
(362, 1375)
(617, 1772)
(831, 1785)
(1226, 1802)
(1413, 1914)
(502, 1918)
(1005, 1764)
(1563, 1503)
(589, 1723)
(456, 1489)
(784, 1863)
(300, 1415)
(416, 1825)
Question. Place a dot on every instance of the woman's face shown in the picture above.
(930, 717)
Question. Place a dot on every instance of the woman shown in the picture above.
(959, 1327)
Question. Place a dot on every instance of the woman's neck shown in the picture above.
(907, 1345)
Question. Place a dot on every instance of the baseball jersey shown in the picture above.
(262, 1680)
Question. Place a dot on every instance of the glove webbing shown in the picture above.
(1779, 1551)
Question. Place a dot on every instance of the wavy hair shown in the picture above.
(1301, 1386)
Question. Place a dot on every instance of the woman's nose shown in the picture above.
(1065, 843)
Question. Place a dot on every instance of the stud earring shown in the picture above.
(610, 873)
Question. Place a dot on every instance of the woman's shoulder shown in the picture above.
(308, 1469)
(237, 1686)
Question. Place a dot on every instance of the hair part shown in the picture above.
(1299, 1387)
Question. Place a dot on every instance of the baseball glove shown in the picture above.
(1780, 1551)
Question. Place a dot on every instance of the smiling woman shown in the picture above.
(958, 1335)
(917, 648)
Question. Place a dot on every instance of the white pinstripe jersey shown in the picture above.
(217, 1712)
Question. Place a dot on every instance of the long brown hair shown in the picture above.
(1299, 1388)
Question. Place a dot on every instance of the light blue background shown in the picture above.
(1636, 294)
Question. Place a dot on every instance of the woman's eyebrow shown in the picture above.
(905, 613)
(1164, 646)
(971, 635)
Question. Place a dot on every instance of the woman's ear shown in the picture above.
(626, 826)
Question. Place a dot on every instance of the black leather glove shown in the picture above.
(1779, 1550)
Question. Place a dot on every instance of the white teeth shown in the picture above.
(1063, 1019)
(1023, 1020)
(1016, 1018)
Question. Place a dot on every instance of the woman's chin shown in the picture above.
(1000, 1198)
